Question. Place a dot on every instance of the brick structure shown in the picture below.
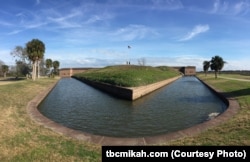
(190, 70)
(68, 72)
(186, 70)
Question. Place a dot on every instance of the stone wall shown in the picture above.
(144, 90)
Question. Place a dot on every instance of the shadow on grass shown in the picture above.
(238, 93)
(12, 79)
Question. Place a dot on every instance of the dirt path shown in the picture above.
(243, 80)
(6, 82)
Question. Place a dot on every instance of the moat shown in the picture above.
(179, 105)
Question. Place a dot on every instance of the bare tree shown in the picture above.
(142, 61)
(20, 52)
(5, 69)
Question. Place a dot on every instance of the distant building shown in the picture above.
(186, 70)
(68, 72)
(190, 70)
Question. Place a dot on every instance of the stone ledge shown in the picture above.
(138, 92)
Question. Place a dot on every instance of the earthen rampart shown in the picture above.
(129, 93)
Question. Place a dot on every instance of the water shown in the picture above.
(182, 104)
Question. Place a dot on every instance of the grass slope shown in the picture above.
(23, 140)
(129, 75)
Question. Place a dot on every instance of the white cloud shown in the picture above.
(147, 4)
(195, 31)
(14, 32)
(241, 8)
(4, 23)
(167, 4)
(231, 8)
(38, 2)
(93, 19)
(66, 21)
(132, 32)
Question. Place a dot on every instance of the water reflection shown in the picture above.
(180, 105)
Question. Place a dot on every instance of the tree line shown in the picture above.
(216, 64)
(30, 60)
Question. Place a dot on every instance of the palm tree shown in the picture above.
(217, 63)
(48, 63)
(56, 65)
(5, 69)
(35, 51)
(206, 65)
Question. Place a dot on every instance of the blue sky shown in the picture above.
(96, 33)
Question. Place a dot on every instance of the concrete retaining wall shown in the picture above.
(144, 90)
(127, 92)
(216, 92)
(117, 91)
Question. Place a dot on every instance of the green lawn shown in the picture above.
(129, 75)
(23, 140)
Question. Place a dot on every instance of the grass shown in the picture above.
(23, 140)
(129, 75)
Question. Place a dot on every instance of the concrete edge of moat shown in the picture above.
(34, 113)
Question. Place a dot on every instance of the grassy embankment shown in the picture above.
(23, 140)
(129, 75)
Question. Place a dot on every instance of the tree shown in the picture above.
(142, 61)
(21, 53)
(48, 64)
(1, 63)
(5, 69)
(206, 65)
(22, 69)
(217, 63)
(35, 51)
(43, 69)
(22, 61)
(56, 65)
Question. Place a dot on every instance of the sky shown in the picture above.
(97, 33)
